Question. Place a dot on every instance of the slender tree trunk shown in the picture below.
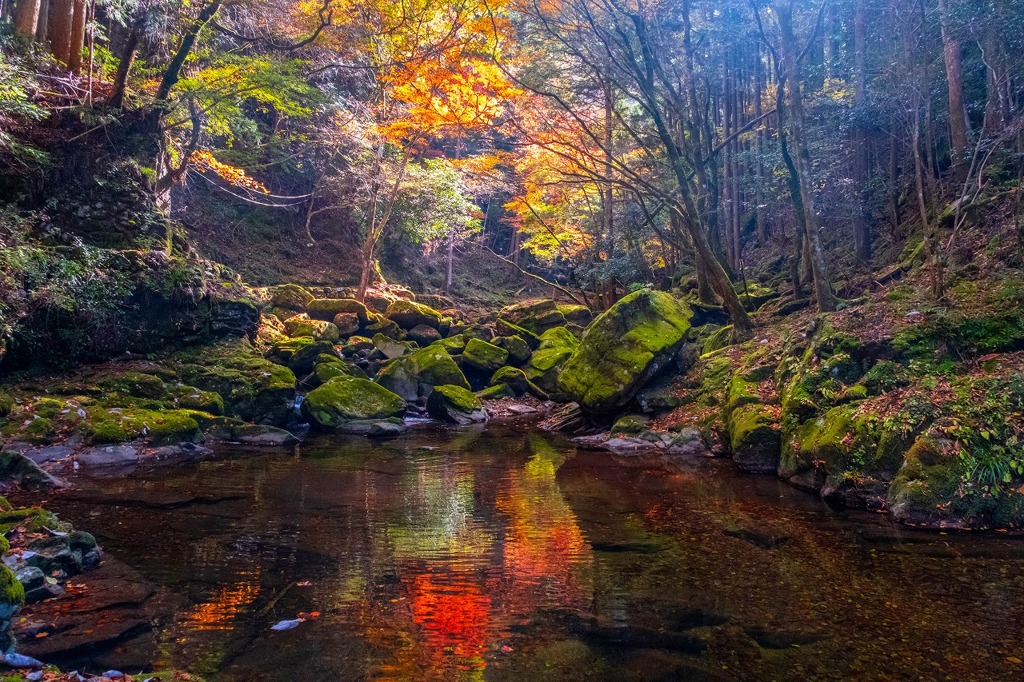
(42, 25)
(931, 245)
(861, 140)
(822, 287)
(958, 131)
(78, 22)
(131, 48)
(173, 71)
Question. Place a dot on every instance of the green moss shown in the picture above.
(408, 314)
(7, 404)
(290, 296)
(623, 349)
(741, 392)
(138, 384)
(38, 430)
(327, 308)
(822, 443)
(347, 398)
(415, 375)
(754, 438)
(283, 350)
(575, 314)
(496, 392)
(454, 404)
(484, 356)
(32, 519)
(457, 397)
(629, 425)
(717, 340)
(558, 337)
(48, 407)
(319, 330)
(518, 350)
(11, 591)
(119, 425)
(453, 344)
(506, 328)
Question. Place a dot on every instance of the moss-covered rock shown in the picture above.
(317, 329)
(392, 348)
(347, 398)
(454, 345)
(120, 425)
(754, 438)
(253, 388)
(717, 340)
(625, 347)
(282, 351)
(484, 356)
(347, 324)
(456, 405)
(575, 314)
(629, 425)
(12, 594)
(384, 327)
(496, 392)
(506, 328)
(558, 337)
(302, 362)
(415, 375)
(327, 309)
(325, 371)
(518, 350)
(290, 297)
(408, 314)
(535, 315)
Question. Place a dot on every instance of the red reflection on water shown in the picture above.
(455, 615)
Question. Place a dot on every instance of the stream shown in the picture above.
(501, 553)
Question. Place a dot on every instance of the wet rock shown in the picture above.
(415, 375)
(347, 323)
(254, 434)
(374, 428)
(109, 455)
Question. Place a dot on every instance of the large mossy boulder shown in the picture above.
(535, 315)
(556, 347)
(576, 314)
(409, 314)
(518, 350)
(328, 308)
(290, 297)
(484, 356)
(456, 405)
(318, 330)
(415, 375)
(624, 348)
(253, 388)
(505, 328)
(346, 398)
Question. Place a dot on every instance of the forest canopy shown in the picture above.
(593, 143)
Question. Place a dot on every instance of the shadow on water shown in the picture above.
(499, 554)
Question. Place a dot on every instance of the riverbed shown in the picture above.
(502, 553)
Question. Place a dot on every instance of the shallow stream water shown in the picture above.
(506, 554)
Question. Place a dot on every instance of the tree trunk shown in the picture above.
(819, 271)
(26, 17)
(77, 36)
(954, 82)
(861, 140)
(62, 14)
(131, 48)
(42, 25)
(173, 71)
(451, 258)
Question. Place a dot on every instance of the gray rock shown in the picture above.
(109, 455)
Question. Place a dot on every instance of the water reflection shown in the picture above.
(507, 556)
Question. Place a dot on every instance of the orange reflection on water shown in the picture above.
(454, 614)
(219, 612)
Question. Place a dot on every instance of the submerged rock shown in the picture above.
(627, 346)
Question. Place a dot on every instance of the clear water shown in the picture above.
(501, 554)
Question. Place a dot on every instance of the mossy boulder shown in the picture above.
(517, 380)
(347, 398)
(384, 327)
(754, 438)
(327, 309)
(624, 348)
(537, 315)
(119, 425)
(317, 329)
(518, 350)
(716, 340)
(575, 314)
(408, 314)
(290, 297)
(392, 348)
(454, 345)
(484, 356)
(505, 328)
(282, 351)
(302, 362)
(456, 405)
(558, 337)
(819, 447)
(496, 392)
(415, 375)
(7, 404)
(12, 594)
(325, 371)
(253, 388)
(629, 425)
